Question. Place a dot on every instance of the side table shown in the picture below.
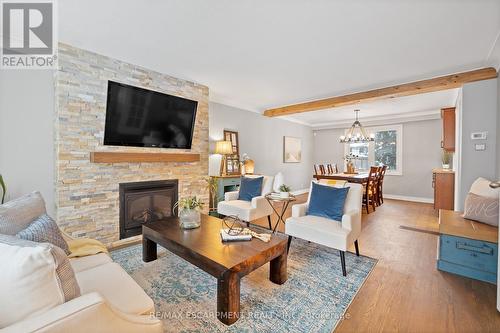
(286, 201)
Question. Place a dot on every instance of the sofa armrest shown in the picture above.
(351, 220)
(87, 313)
(233, 195)
(299, 210)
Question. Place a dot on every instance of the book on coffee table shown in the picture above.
(234, 238)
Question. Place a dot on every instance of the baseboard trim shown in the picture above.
(299, 192)
(408, 198)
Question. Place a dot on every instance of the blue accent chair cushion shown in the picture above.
(327, 201)
(250, 188)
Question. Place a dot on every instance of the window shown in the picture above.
(386, 150)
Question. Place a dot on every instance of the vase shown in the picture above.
(189, 218)
(350, 167)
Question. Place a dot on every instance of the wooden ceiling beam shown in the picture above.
(407, 89)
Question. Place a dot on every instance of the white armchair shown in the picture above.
(248, 211)
(323, 231)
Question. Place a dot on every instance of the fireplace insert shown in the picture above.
(145, 202)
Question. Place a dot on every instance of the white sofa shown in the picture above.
(248, 211)
(110, 301)
(320, 230)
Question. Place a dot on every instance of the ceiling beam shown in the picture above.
(407, 89)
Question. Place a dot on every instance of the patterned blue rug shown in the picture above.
(313, 299)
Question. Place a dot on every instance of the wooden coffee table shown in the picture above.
(228, 262)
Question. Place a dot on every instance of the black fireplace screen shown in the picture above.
(145, 202)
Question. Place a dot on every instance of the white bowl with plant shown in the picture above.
(285, 191)
(189, 212)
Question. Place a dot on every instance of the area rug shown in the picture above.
(314, 298)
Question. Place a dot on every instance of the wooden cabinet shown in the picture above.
(224, 184)
(448, 117)
(443, 182)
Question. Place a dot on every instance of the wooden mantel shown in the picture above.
(407, 89)
(120, 157)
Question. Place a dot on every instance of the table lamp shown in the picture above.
(223, 148)
(249, 166)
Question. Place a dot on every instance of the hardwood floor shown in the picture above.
(405, 292)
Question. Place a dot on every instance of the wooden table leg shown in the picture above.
(148, 250)
(277, 273)
(228, 298)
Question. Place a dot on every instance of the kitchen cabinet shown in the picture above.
(448, 117)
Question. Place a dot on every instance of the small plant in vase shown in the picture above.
(285, 191)
(189, 212)
(446, 159)
(4, 189)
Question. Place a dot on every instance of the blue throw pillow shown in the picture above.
(327, 201)
(250, 188)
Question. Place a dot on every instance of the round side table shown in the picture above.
(286, 201)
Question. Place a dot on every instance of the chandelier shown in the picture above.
(357, 133)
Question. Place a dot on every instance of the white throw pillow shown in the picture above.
(278, 181)
(481, 187)
(35, 277)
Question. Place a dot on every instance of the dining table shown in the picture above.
(359, 178)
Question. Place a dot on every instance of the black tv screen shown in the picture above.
(145, 118)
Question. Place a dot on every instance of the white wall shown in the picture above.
(262, 139)
(479, 114)
(421, 153)
(26, 133)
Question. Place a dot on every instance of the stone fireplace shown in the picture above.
(145, 202)
(88, 193)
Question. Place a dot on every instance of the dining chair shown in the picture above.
(380, 191)
(317, 171)
(370, 189)
(329, 168)
(322, 169)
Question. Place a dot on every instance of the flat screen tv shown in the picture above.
(145, 118)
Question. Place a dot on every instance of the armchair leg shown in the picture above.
(269, 221)
(342, 261)
(288, 244)
(357, 247)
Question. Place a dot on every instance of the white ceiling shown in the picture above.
(409, 108)
(257, 54)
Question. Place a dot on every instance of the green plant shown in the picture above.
(4, 189)
(285, 188)
(213, 188)
(446, 157)
(189, 203)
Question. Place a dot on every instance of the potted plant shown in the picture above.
(189, 212)
(446, 159)
(285, 191)
(4, 189)
(213, 188)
